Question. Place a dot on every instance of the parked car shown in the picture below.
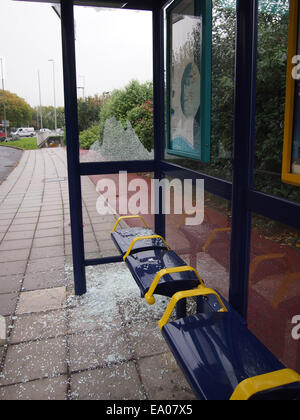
(45, 130)
(23, 132)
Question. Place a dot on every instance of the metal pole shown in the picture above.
(37, 118)
(3, 93)
(72, 136)
(54, 95)
(159, 113)
(40, 96)
(245, 85)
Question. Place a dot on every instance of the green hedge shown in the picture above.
(89, 136)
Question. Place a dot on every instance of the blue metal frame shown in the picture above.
(104, 260)
(72, 136)
(278, 209)
(159, 110)
(245, 81)
(212, 184)
(104, 168)
(245, 199)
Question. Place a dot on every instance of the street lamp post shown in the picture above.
(40, 97)
(3, 94)
(54, 95)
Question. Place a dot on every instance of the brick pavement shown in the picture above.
(104, 345)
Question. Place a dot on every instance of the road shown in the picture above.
(9, 157)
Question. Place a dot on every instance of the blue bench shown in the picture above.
(218, 355)
(220, 358)
(154, 266)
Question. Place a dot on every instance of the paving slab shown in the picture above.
(41, 300)
(86, 318)
(37, 326)
(26, 227)
(112, 383)
(98, 348)
(15, 245)
(14, 255)
(146, 339)
(47, 252)
(29, 220)
(9, 284)
(53, 389)
(12, 268)
(20, 235)
(34, 360)
(45, 264)
(8, 302)
(48, 241)
(163, 379)
(47, 233)
(44, 280)
(50, 225)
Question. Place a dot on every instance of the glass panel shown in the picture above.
(114, 71)
(222, 96)
(206, 244)
(274, 292)
(104, 198)
(270, 100)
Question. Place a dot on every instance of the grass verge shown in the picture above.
(23, 143)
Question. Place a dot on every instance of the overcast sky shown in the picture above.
(112, 47)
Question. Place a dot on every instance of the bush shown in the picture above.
(122, 101)
(88, 137)
(141, 119)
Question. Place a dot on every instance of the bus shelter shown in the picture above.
(189, 120)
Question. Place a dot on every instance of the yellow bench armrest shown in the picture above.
(129, 217)
(149, 295)
(251, 386)
(141, 238)
(200, 291)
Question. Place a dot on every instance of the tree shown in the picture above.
(88, 111)
(271, 86)
(18, 111)
(273, 20)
